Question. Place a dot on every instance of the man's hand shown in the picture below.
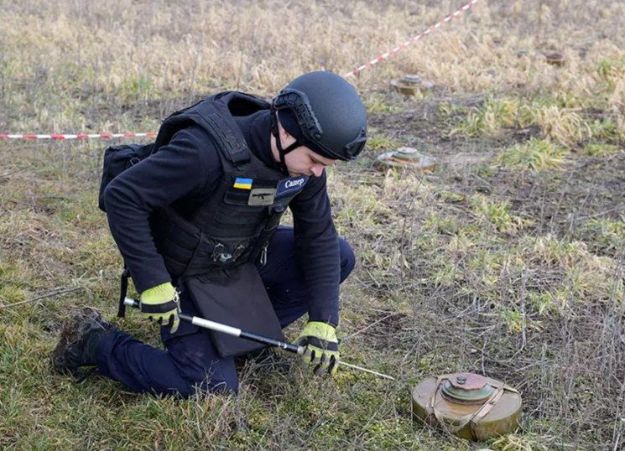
(322, 347)
(160, 303)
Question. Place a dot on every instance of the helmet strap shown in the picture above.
(276, 134)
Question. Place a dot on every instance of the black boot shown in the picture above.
(78, 341)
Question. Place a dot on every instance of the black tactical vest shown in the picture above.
(235, 224)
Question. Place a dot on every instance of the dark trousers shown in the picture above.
(190, 361)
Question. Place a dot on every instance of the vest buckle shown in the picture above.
(263, 255)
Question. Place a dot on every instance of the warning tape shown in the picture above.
(107, 136)
(410, 41)
(79, 136)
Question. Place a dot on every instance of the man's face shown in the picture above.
(303, 161)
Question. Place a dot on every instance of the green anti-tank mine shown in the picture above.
(468, 405)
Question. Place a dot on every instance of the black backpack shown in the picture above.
(119, 158)
(116, 160)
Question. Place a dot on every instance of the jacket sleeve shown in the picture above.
(317, 250)
(175, 171)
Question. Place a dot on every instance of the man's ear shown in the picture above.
(284, 135)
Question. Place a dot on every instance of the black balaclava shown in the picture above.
(289, 123)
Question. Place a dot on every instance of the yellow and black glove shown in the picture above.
(160, 303)
(321, 347)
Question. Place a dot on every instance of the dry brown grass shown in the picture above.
(64, 57)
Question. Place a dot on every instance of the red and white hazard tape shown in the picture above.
(80, 136)
(354, 73)
(409, 42)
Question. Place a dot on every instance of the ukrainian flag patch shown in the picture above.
(242, 183)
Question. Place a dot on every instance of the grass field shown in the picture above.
(508, 259)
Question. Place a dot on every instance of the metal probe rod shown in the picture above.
(229, 330)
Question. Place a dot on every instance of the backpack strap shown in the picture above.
(230, 141)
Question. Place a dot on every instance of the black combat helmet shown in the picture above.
(321, 111)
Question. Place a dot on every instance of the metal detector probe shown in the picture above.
(229, 330)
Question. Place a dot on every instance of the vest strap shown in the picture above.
(227, 139)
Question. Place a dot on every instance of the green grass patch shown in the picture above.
(600, 149)
(535, 155)
(494, 116)
(495, 213)
(605, 129)
(610, 71)
(382, 142)
(377, 103)
(543, 303)
(560, 118)
(138, 88)
(11, 286)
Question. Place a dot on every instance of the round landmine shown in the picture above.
(407, 89)
(468, 405)
(406, 157)
(410, 85)
(555, 59)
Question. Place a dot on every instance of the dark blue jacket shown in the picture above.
(182, 174)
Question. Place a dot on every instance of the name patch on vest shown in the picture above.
(291, 186)
(261, 196)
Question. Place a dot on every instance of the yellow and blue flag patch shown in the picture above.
(242, 183)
